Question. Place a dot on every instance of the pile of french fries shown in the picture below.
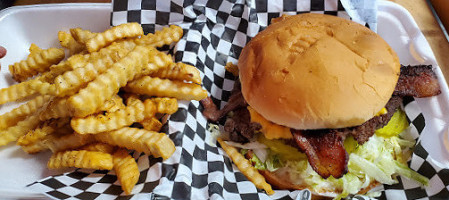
(106, 98)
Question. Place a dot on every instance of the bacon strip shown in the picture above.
(324, 148)
(235, 101)
(417, 81)
(325, 151)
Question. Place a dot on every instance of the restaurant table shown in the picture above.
(419, 9)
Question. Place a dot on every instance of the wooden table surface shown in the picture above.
(418, 8)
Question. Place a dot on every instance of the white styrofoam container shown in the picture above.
(21, 26)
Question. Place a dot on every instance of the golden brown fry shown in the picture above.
(111, 121)
(126, 169)
(72, 81)
(81, 35)
(42, 87)
(166, 88)
(81, 159)
(98, 146)
(151, 124)
(78, 60)
(113, 104)
(34, 48)
(89, 99)
(163, 37)
(34, 148)
(25, 89)
(56, 108)
(245, 167)
(115, 33)
(150, 109)
(13, 133)
(55, 70)
(17, 92)
(149, 142)
(180, 72)
(20, 113)
(47, 128)
(66, 40)
(234, 69)
(36, 63)
(165, 105)
(65, 142)
(33, 136)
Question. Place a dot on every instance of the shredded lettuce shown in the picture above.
(273, 162)
(257, 163)
(405, 171)
(380, 158)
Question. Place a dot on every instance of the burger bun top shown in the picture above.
(315, 71)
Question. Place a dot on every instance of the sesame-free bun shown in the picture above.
(314, 71)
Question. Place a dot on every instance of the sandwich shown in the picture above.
(317, 105)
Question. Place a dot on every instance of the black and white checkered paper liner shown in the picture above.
(215, 33)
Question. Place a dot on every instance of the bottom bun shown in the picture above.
(277, 181)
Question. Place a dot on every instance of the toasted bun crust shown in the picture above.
(313, 71)
(279, 181)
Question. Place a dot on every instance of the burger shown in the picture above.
(317, 105)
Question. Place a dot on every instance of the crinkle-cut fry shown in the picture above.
(25, 89)
(115, 33)
(65, 142)
(149, 142)
(180, 72)
(36, 63)
(34, 48)
(151, 124)
(56, 108)
(126, 168)
(34, 148)
(163, 37)
(132, 98)
(115, 51)
(67, 41)
(34, 135)
(39, 133)
(234, 69)
(13, 133)
(165, 105)
(17, 92)
(89, 99)
(98, 146)
(55, 70)
(12, 117)
(166, 88)
(42, 87)
(81, 35)
(72, 81)
(110, 121)
(113, 104)
(150, 109)
(78, 60)
(246, 168)
(81, 159)
(158, 61)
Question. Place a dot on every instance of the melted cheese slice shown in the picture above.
(274, 131)
(270, 129)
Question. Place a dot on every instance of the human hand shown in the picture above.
(2, 52)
